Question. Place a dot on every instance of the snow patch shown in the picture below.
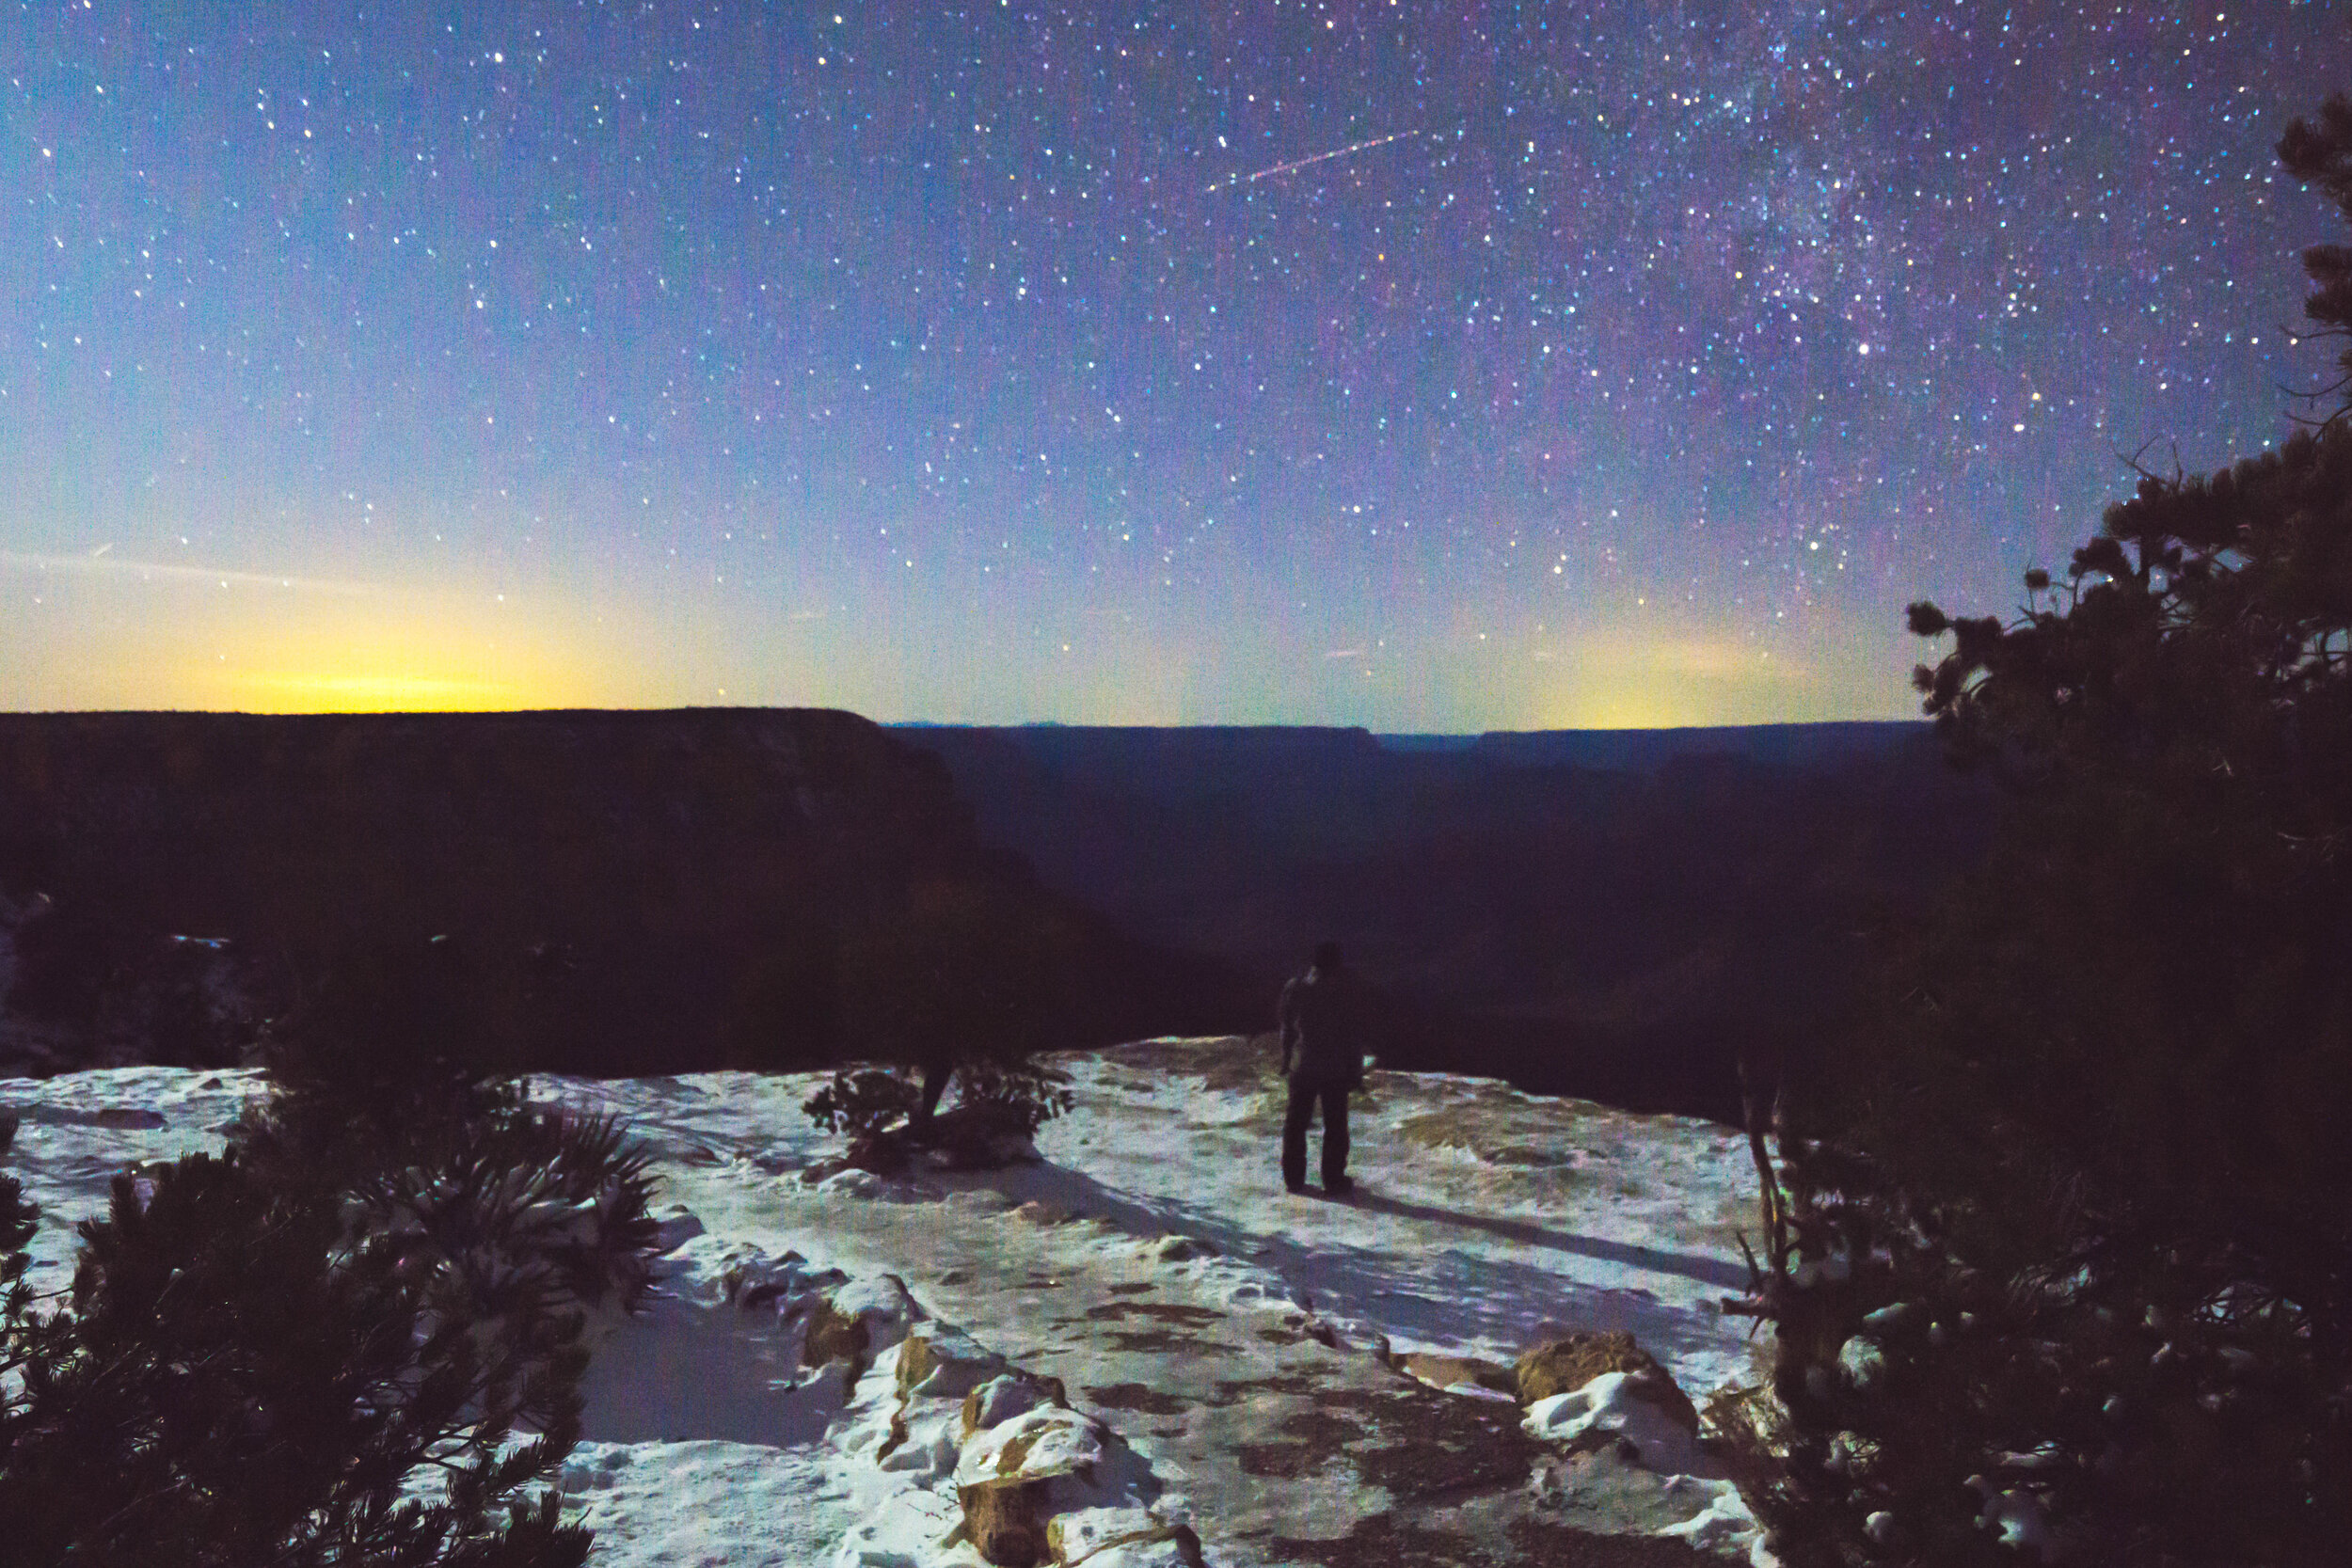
(1612, 1402)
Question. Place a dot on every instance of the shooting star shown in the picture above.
(99, 564)
(1302, 162)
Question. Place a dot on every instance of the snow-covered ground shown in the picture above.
(1231, 1359)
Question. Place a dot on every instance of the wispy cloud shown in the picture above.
(102, 563)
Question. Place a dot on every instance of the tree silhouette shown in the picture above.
(2069, 1249)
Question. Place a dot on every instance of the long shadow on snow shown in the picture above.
(1709, 1271)
(1454, 1296)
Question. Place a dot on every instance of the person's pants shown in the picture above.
(1302, 1108)
(935, 1076)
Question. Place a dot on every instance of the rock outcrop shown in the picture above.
(1571, 1362)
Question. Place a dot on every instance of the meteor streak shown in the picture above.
(1302, 162)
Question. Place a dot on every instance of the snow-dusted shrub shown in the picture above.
(873, 1105)
(356, 1336)
(999, 1105)
(997, 1099)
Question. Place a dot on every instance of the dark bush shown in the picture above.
(356, 1336)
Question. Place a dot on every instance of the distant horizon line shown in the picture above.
(966, 724)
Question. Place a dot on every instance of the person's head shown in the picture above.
(1325, 958)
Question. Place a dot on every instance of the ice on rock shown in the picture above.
(881, 1303)
(1082, 1532)
(677, 1225)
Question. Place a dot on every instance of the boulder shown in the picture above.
(1005, 1520)
(1003, 1398)
(936, 1369)
(833, 1335)
(940, 1362)
(1567, 1364)
(754, 1281)
(1120, 1537)
(857, 1322)
(1005, 1478)
(1042, 1442)
(1611, 1410)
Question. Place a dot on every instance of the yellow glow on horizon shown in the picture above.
(419, 662)
(377, 693)
(1642, 677)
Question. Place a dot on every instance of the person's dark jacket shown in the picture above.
(1327, 1018)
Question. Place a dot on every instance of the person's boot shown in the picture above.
(1338, 1187)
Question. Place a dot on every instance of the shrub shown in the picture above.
(873, 1105)
(317, 1349)
(966, 978)
(999, 1107)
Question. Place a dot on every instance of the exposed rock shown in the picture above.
(940, 1362)
(1568, 1363)
(1005, 1520)
(1120, 1537)
(1043, 1441)
(1004, 1398)
(856, 1323)
(1609, 1490)
(1136, 1397)
(851, 1181)
(1005, 1479)
(935, 1363)
(1456, 1371)
(817, 1174)
(647, 891)
(780, 1284)
(832, 1335)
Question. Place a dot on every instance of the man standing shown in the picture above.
(1326, 1020)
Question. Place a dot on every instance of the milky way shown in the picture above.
(1428, 367)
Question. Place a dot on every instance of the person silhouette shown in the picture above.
(1326, 1019)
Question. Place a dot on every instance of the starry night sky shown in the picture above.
(1436, 367)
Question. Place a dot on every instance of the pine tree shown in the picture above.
(2068, 1251)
